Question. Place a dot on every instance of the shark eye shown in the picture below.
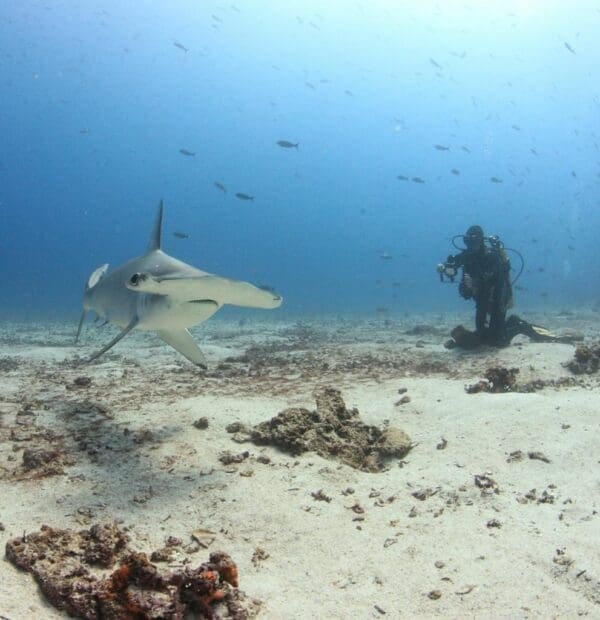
(135, 279)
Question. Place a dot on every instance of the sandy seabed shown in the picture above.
(467, 524)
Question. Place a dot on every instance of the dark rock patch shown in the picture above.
(586, 360)
(333, 432)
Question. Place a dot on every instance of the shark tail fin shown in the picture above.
(156, 231)
(116, 339)
(81, 320)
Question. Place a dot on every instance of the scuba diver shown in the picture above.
(486, 279)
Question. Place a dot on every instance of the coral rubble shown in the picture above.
(586, 359)
(332, 431)
(71, 569)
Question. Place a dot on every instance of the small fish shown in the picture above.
(385, 256)
(401, 177)
(220, 186)
(286, 144)
(455, 171)
(435, 64)
(217, 18)
(187, 153)
(84, 130)
(418, 180)
(381, 309)
(534, 152)
(495, 180)
(441, 147)
(569, 48)
(570, 247)
(180, 46)
(541, 269)
(465, 149)
(349, 93)
(573, 174)
(516, 128)
(309, 85)
(243, 196)
(180, 235)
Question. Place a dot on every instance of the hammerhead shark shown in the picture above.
(159, 293)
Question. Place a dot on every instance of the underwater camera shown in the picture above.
(449, 269)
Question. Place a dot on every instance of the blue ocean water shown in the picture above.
(99, 98)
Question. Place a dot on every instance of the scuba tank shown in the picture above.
(497, 246)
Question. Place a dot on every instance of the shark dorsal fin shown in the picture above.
(155, 237)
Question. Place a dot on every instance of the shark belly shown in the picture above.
(162, 312)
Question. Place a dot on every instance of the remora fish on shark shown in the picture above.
(157, 292)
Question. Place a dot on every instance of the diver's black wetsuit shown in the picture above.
(486, 279)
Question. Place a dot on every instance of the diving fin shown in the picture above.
(181, 340)
(116, 339)
(539, 334)
(545, 335)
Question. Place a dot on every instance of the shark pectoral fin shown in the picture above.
(81, 320)
(181, 340)
(116, 339)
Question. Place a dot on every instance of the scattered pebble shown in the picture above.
(538, 456)
(259, 555)
(227, 458)
(83, 381)
(320, 496)
(515, 456)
